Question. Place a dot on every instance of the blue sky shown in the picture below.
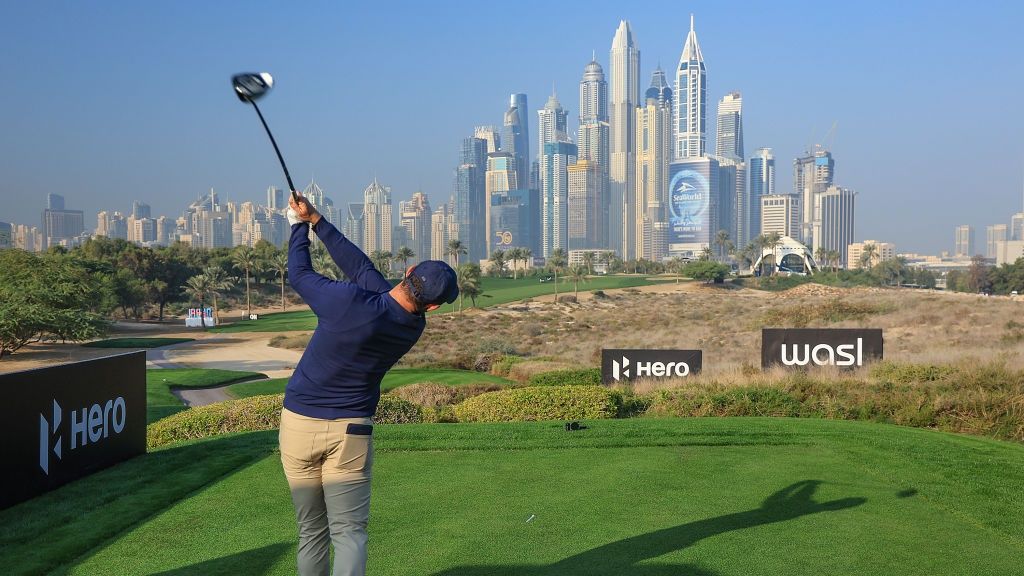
(109, 102)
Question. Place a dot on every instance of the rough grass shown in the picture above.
(703, 496)
(136, 342)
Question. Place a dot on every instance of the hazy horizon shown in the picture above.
(119, 102)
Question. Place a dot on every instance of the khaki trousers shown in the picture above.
(328, 471)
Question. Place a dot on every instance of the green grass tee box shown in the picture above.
(704, 496)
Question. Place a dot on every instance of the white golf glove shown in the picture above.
(293, 217)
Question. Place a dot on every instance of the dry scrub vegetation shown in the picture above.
(920, 327)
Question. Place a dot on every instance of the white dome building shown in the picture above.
(793, 257)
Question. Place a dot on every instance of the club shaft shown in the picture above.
(291, 186)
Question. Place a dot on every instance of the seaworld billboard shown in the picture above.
(693, 189)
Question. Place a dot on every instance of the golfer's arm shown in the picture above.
(316, 290)
(350, 259)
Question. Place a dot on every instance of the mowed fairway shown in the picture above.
(496, 291)
(393, 379)
(650, 497)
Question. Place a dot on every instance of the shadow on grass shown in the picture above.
(255, 561)
(623, 557)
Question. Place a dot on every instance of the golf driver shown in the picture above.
(250, 87)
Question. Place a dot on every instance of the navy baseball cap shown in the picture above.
(438, 282)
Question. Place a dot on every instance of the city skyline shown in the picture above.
(130, 135)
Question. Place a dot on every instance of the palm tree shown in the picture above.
(217, 280)
(469, 283)
(515, 255)
(833, 259)
(456, 247)
(721, 239)
(606, 259)
(867, 255)
(323, 264)
(198, 287)
(821, 255)
(576, 274)
(245, 260)
(526, 255)
(498, 263)
(773, 241)
(404, 254)
(280, 263)
(382, 261)
(706, 253)
(588, 261)
(556, 261)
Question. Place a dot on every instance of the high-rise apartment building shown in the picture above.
(762, 183)
(653, 154)
(780, 213)
(554, 165)
(6, 236)
(54, 202)
(60, 226)
(812, 175)
(414, 218)
(377, 214)
(1017, 226)
(490, 135)
(690, 115)
(964, 241)
(501, 178)
(276, 199)
(593, 135)
(835, 229)
(443, 228)
(733, 199)
(993, 234)
(587, 218)
(729, 138)
(141, 210)
(624, 97)
(516, 138)
(470, 198)
(551, 124)
(353, 227)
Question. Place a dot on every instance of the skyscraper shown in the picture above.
(624, 68)
(554, 165)
(690, 101)
(1017, 226)
(60, 226)
(834, 230)
(470, 207)
(377, 215)
(964, 241)
(354, 223)
(275, 199)
(141, 210)
(653, 154)
(780, 213)
(516, 138)
(812, 175)
(734, 203)
(587, 218)
(415, 217)
(762, 183)
(551, 123)
(729, 139)
(54, 202)
(593, 135)
(490, 135)
(993, 234)
(501, 178)
(6, 236)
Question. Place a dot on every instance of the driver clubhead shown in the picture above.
(250, 87)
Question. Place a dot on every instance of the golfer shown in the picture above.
(364, 325)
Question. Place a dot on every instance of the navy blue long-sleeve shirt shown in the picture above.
(361, 330)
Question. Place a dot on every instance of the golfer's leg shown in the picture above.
(346, 485)
(301, 459)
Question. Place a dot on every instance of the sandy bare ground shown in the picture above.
(663, 287)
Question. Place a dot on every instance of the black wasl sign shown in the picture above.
(624, 365)
(68, 421)
(803, 347)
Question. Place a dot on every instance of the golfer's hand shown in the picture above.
(303, 209)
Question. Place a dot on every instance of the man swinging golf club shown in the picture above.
(364, 326)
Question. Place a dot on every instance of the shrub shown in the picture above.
(578, 377)
(245, 415)
(295, 342)
(541, 403)
(503, 365)
(427, 394)
(897, 373)
(495, 345)
(394, 410)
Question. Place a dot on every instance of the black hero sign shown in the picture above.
(619, 365)
(64, 422)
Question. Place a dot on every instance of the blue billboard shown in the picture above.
(691, 203)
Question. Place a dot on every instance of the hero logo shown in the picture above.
(88, 425)
(622, 370)
(825, 354)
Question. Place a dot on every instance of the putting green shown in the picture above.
(649, 497)
(393, 379)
